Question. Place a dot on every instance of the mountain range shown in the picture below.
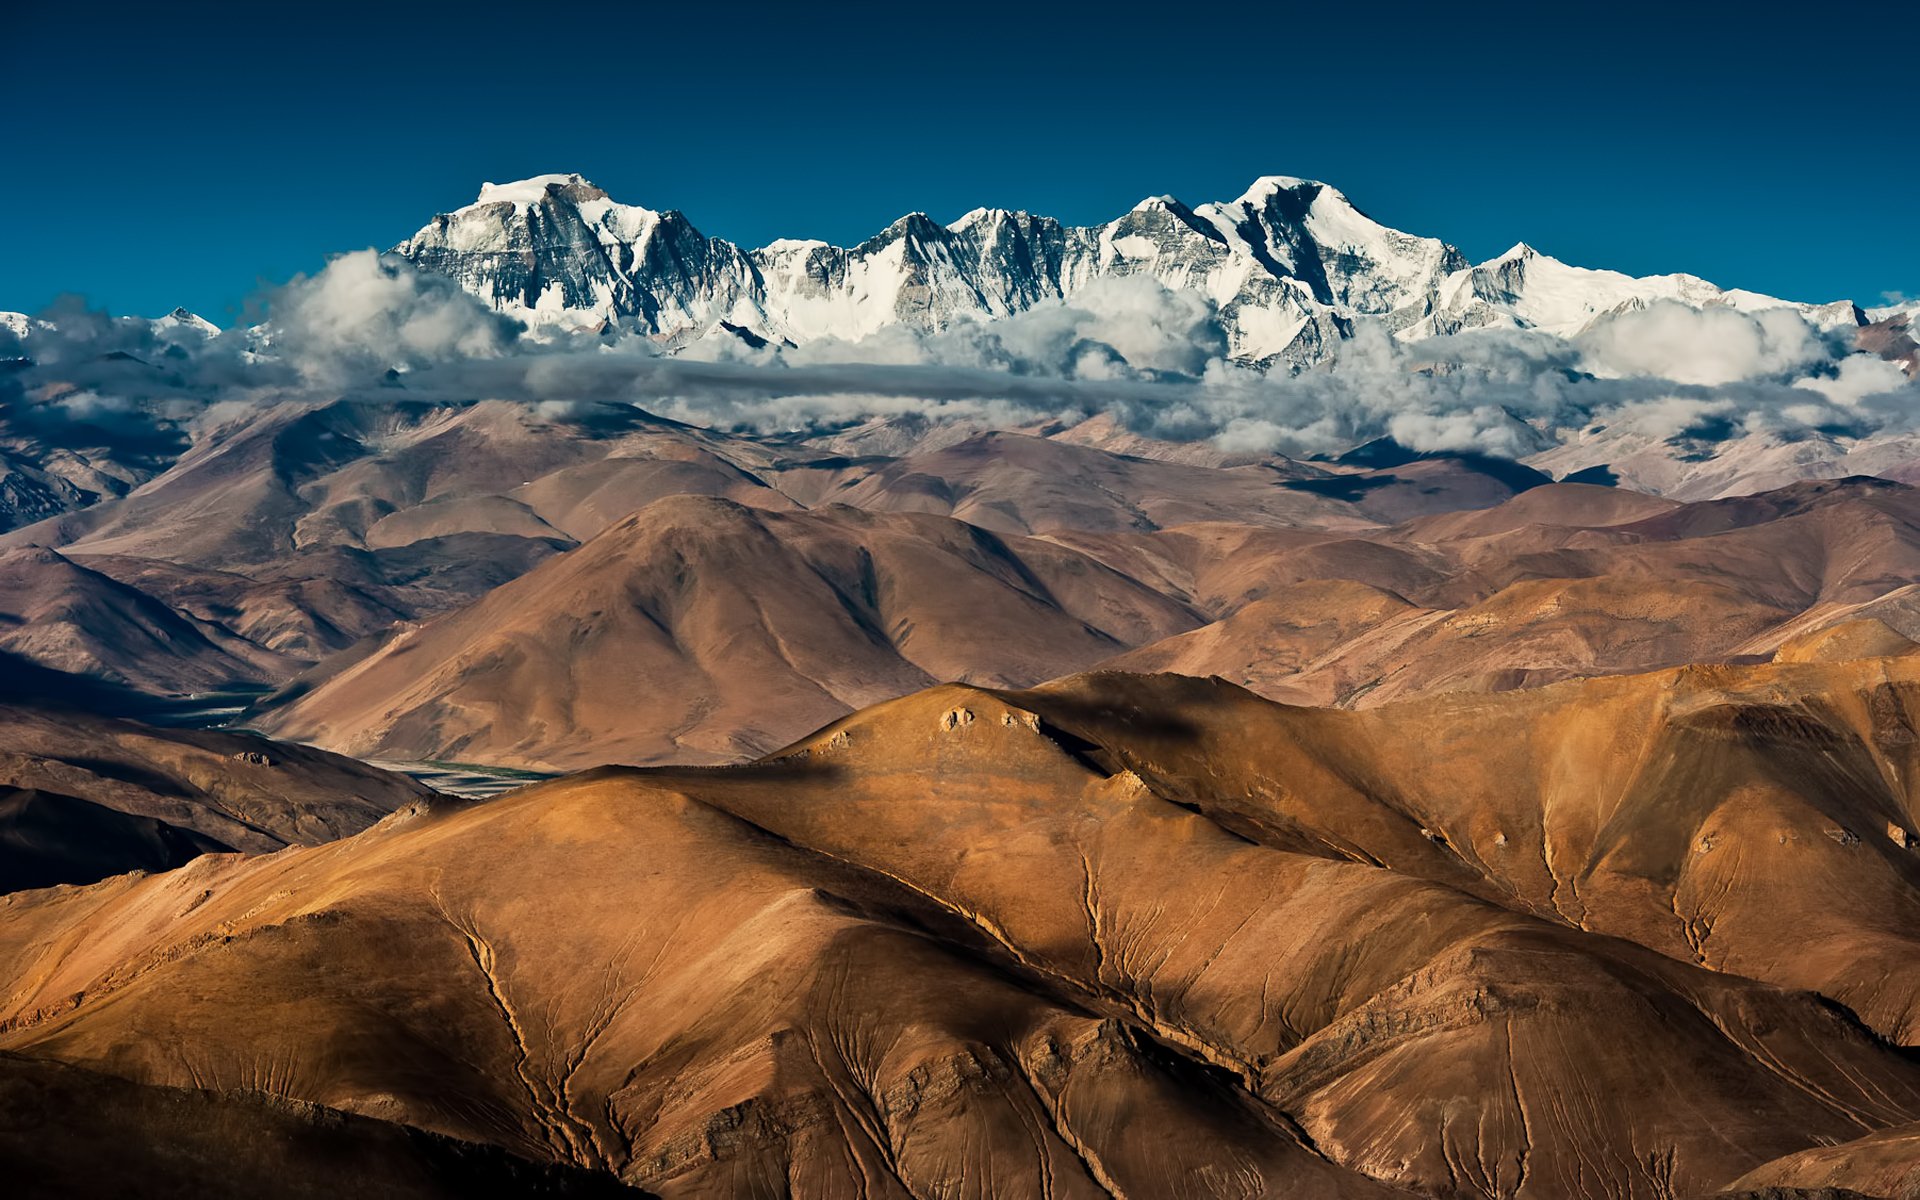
(481, 582)
(1290, 265)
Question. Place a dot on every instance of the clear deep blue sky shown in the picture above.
(180, 153)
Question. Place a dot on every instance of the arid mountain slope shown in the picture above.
(1560, 582)
(1881, 1164)
(380, 473)
(291, 531)
(1758, 820)
(280, 478)
(1119, 935)
(1892, 338)
(404, 570)
(84, 796)
(65, 616)
(1018, 483)
(698, 629)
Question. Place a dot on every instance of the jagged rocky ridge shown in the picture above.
(1290, 266)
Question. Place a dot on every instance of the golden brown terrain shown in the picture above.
(1171, 823)
(544, 588)
(1121, 935)
(701, 630)
(698, 629)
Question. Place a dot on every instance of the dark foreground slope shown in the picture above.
(84, 796)
(72, 1134)
(1119, 936)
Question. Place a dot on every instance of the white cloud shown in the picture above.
(1155, 358)
(1129, 327)
(367, 311)
(1855, 378)
(1708, 346)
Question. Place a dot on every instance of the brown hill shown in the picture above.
(286, 476)
(701, 630)
(62, 615)
(1017, 483)
(1339, 643)
(334, 549)
(716, 631)
(1549, 506)
(90, 796)
(1866, 637)
(1885, 1163)
(1756, 820)
(1526, 593)
(1120, 935)
(1316, 642)
(303, 616)
(1893, 340)
(294, 529)
(48, 839)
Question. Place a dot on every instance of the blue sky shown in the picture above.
(188, 153)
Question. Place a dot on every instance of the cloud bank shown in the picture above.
(367, 314)
(1152, 357)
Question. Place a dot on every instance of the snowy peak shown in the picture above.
(1268, 185)
(1291, 266)
(1528, 289)
(186, 321)
(179, 321)
(1159, 204)
(537, 189)
(556, 250)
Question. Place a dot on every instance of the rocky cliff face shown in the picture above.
(1290, 266)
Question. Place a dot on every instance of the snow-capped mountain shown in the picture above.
(1290, 265)
(1893, 333)
(179, 321)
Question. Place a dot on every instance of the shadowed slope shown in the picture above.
(174, 792)
(66, 617)
(69, 1134)
(47, 839)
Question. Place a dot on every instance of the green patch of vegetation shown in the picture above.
(483, 769)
